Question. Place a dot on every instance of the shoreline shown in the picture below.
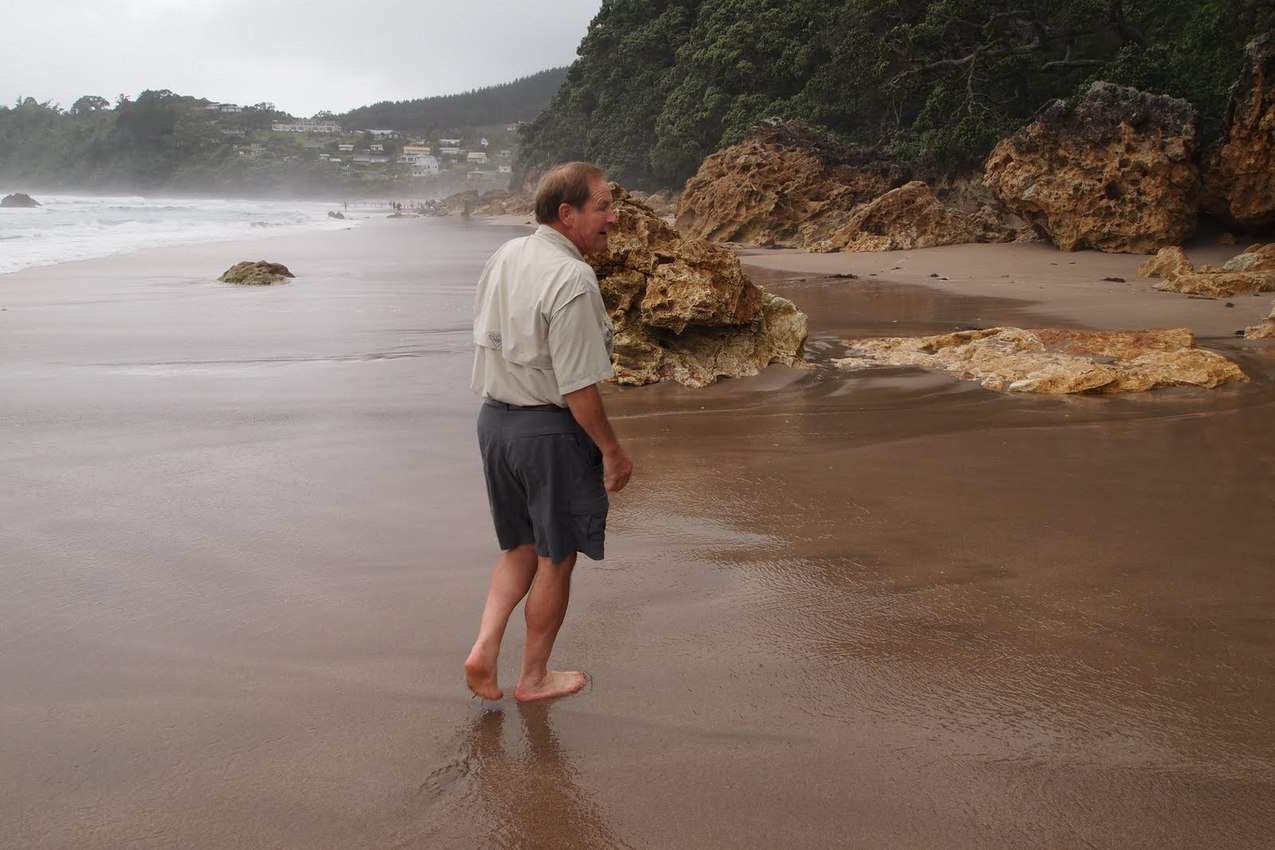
(895, 605)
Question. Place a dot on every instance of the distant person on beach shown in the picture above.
(543, 342)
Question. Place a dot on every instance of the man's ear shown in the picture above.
(563, 209)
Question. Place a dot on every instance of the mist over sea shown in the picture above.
(80, 227)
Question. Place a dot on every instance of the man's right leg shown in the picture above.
(546, 608)
(510, 581)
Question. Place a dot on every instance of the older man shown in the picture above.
(550, 457)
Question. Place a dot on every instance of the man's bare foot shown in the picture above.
(480, 675)
(555, 684)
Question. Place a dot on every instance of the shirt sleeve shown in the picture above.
(577, 346)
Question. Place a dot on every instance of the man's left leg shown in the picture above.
(510, 581)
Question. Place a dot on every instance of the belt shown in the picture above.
(491, 402)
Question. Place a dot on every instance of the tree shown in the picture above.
(89, 103)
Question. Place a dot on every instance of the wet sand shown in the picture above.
(246, 545)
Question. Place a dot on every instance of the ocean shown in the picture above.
(80, 227)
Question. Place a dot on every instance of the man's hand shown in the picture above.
(586, 407)
(616, 469)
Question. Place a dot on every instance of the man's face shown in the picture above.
(587, 227)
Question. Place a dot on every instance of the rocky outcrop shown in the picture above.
(259, 273)
(19, 200)
(504, 203)
(765, 189)
(1264, 329)
(683, 308)
(1239, 172)
(1055, 361)
(461, 203)
(1115, 172)
(1250, 272)
(663, 203)
(907, 217)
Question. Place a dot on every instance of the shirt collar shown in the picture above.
(544, 231)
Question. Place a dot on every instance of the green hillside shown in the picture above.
(520, 100)
(660, 84)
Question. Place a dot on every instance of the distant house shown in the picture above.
(482, 142)
(417, 150)
(382, 134)
(305, 125)
(504, 169)
(378, 148)
(505, 153)
(453, 143)
(224, 107)
(425, 166)
(449, 150)
(345, 148)
(231, 131)
(253, 151)
(477, 157)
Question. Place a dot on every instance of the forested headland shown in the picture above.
(162, 140)
(661, 84)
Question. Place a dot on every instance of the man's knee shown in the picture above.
(561, 568)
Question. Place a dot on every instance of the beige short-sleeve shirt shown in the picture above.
(540, 327)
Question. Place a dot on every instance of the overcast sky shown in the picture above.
(301, 55)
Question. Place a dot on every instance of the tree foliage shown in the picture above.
(660, 84)
(520, 100)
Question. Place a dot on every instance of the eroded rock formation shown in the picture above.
(1055, 361)
(1115, 172)
(259, 273)
(504, 203)
(910, 216)
(1239, 173)
(763, 190)
(1250, 272)
(18, 200)
(683, 308)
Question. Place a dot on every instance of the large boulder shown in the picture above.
(18, 200)
(1055, 361)
(1239, 173)
(1114, 171)
(1250, 272)
(764, 189)
(683, 308)
(910, 216)
(259, 273)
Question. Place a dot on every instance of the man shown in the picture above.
(550, 457)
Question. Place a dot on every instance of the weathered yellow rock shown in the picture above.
(763, 190)
(259, 273)
(1264, 329)
(1239, 173)
(1116, 172)
(908, 217)
(1167, 262)
(1250, 272)
(1055, 361)
(683, 309)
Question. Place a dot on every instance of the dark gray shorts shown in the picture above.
(544, 480)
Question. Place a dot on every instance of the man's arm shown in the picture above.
(586, 407)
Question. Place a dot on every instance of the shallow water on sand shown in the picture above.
(246, 545)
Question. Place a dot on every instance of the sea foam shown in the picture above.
(80, 227)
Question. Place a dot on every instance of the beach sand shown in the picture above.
(246, 545)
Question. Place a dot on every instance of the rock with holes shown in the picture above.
(1239, 172)
(1115, 171)
(1248, 273)
(784, 185)
(1055, 361)
(683, 309)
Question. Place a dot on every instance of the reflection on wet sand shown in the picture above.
(520, 794)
